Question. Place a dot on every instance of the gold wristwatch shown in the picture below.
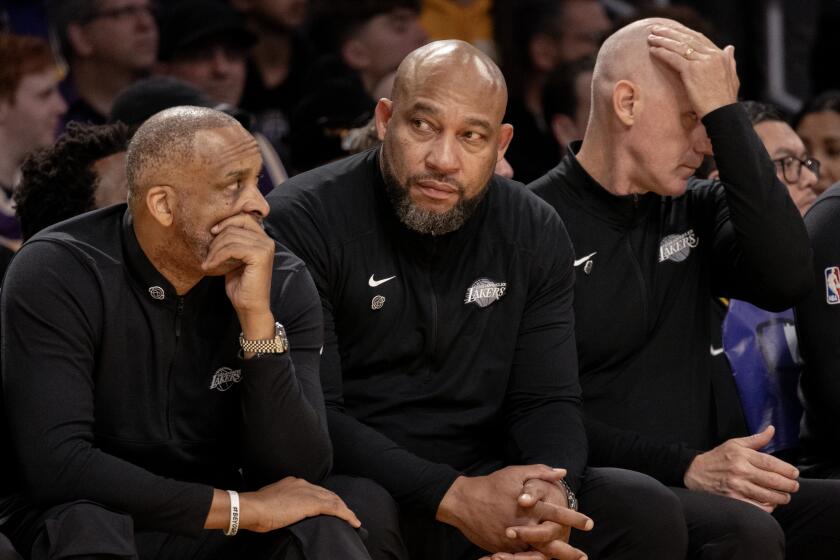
(276, 345)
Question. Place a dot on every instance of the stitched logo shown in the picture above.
(676, 248)
(484, 291)
(374, 283)
(224, 378)
(832, 285)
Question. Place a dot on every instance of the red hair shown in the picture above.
(21, 55)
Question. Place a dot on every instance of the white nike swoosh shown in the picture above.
(582, 260)
(374, 283)
(715, 351)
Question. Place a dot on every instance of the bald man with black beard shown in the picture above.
(653, 247)
(449, 363)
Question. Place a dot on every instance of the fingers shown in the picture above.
(546, 511)
(540, 472)
(239, 244)
(343, 512)
(684, 50)
(527, 555)
(773, 473)
(541, 533)
(759, 440)
(682, 34)
(245, 221)
(763, 495)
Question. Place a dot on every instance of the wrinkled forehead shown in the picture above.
(221, 147)
(468, 85)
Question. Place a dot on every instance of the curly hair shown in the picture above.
(58, 182)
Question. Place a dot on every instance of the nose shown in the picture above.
(255, 203)
(807, 178)
(60, 104)
(442, 156)
(221, 61)
(145, 18)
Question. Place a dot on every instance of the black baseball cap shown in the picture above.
(190, 22)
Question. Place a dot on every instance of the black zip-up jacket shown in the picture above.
(642, 296)
(818, 327)
(443, 354)
(121, 392)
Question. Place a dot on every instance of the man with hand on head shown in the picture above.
(653, 248)
(147, 377)
(449, 363)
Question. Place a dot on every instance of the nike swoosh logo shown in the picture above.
(374, 283)
(582, 260)
(715, 351)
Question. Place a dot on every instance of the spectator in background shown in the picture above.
(818, 124)
(466, 20)
(566, 98)
(534, 37)
(30, 109)
(360, 43)
(108, 44)
(205, 43)
(795, 167)
(277, 66)
(84, 170)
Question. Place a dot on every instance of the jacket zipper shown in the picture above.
(179, 311)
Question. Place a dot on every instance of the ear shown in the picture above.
(382, 116)
(543, 51)
(564, 130)
(355, 54)
(159, 202)
(626, 102)
(505, 136)
(79, 41)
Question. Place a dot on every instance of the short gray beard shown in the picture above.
(422, 220)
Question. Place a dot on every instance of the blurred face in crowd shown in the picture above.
(382, 43)
(111, 185)
(585, 25)
(787, 152)
(31, 117)
(121, 33)
(442, 135)
(215, 66)
(287, 14)
(820, 131)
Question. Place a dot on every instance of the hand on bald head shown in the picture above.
(454, 65)
(165, 143)
(625, 55)
(662, 56)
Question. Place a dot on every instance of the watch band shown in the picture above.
(570, 496)
(276, 345)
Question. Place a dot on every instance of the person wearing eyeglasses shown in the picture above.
(108, 44)
(794, 165)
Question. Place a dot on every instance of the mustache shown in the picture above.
(414, 179)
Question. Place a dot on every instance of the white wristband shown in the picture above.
(233, 527)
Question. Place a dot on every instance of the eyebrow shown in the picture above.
(472, 121)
